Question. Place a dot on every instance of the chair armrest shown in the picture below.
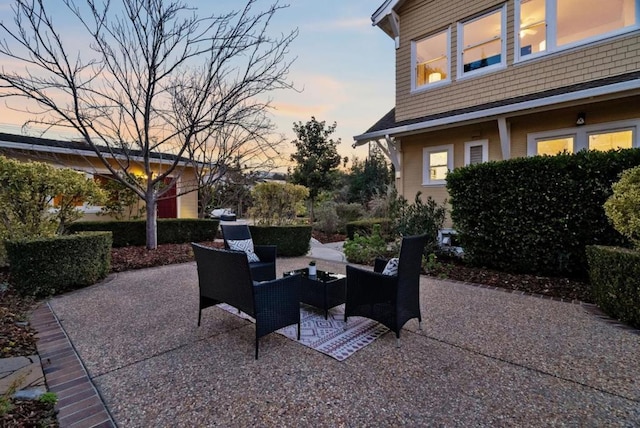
(266, 253)
(277, 303)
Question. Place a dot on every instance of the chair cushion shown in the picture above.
(245, 245)
(391, 268)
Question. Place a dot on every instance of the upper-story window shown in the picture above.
(551, 25)
(481, 43)
(431, 59)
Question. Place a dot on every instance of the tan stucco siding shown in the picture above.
(609, 57)
(187, 203)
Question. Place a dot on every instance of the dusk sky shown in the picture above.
(344, 66)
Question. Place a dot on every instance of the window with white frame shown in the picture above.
(431, 58)
(476, 152)
(437, 161)
(550, 25)
(481, 43)
(602, 136)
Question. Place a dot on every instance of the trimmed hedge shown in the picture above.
(44, 267)
(537, 214)
(365, 227)
(292, 241)
(615, 282)
(170, 231)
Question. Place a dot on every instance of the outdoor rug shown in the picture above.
(328, 336)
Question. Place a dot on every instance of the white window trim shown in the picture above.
(447, 80)
(551, 36)
(426, 180)
(581, 134)
(467, 150)
(503, 45)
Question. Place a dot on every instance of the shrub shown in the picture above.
(347, 213)
(536, 214)
(326, 218)
(420, 218)
(275, 204)
(623, 206)
(292, 241)
(365, 227)
(170, 231)
(615, 282)
(80, 260)
(364, 249)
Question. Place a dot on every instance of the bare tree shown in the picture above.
(154, 78)
(249, 144)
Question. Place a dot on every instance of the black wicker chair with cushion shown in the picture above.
(238, 237)
(224, 277)
(390, 299)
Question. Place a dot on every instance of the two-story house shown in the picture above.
(487, 80)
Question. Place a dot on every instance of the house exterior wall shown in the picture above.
(600, 113)
(604, 58)
(187, 204)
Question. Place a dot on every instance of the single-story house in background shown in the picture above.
(79, 156)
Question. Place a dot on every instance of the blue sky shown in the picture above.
(344, 66)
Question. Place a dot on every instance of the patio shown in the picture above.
(484, 357)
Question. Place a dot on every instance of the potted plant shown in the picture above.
(312, 268)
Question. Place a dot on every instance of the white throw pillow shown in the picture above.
(391, 268)
(245, 245)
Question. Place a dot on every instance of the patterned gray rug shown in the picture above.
(328, 336)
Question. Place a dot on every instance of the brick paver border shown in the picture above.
(79, 403)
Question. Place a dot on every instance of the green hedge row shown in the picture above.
(615, 282)
(537, 214)
(170, 231)
(79, 260)
(365, 227)
(292, 241)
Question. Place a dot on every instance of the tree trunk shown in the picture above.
(152, 222)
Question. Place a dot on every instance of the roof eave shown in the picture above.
(486, 114)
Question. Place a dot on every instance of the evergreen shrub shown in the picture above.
(170, 231)
(292, 241)
(80, 260)
(537, 214)
(614, 274)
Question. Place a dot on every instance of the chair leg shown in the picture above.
(199, 317)
(397, 342)
(257, 348)
(298, 331)
(420, 325)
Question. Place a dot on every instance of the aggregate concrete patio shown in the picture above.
(484, 358)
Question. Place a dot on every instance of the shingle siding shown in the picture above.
(605, 58)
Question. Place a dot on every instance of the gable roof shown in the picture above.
(387, 124)
(38, 144)
(383, 16)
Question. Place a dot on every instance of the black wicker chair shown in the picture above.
(224, 277)
(265, 269)
(390, 300)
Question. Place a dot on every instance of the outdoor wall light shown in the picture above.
(582, 119)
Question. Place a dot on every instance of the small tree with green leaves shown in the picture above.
(317, 158)
(623, 206)
(122, 203)
(418, 218)
(275, 204)
(73, 189)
